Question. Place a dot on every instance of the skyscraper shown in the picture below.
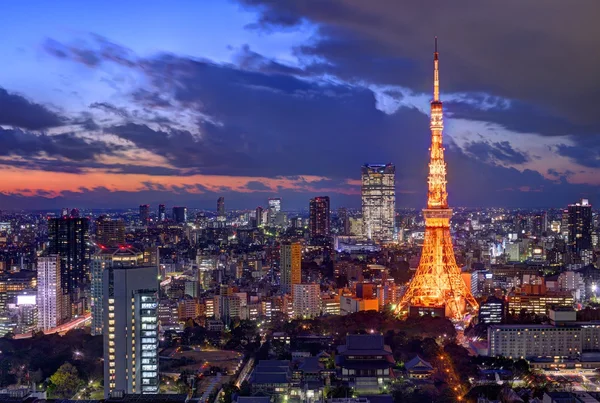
(180, 214)
(162, 212)
(68, 237)
(319, 220)
(105, 257)
(378, 201)
(131, 329)
(290, 265)
(539, 224)
(144, 214)
(437, 286)
(344, 221)
(110, 232)
(580, 227)
(49, 292)
(274, 209)
(221, 207)
(259, 214)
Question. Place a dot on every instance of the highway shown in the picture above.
(76, 323)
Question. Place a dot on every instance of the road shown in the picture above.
(76, 323)
(245, 372)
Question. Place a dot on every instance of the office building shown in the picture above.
(344, 221)
(144, 214)
(68, 237)
(540, 224)
(306, 300)
(493, 310)
(162, 212)
(378, 201)
(319, 221)
(274, 210)
(180, 214)
(131, 330)
(564, 337)
(290, 265)
(221, 207)
(110, 233)
(49, 292)
(537, 299)
(259, 216)
(108, 257)
(579, 227)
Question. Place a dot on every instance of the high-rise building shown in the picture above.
(274, 209)
(344, 221)
(49, 292)
(259, 214)
(221, 207)
(131, 329)
(579, 227)
(144, 214)
(437, 287)
(180, 214)
(319, 219)
(306, 300)
(290, 265)
(378, 201)
(110, 232)
(493, 310)
(105, 257)
(162, 212)
(539, 224)
(68, 237)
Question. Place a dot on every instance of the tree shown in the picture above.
(65, 381)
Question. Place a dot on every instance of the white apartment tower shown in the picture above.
(131, 329)
(49, 292)
(378, 201)
(307, 301)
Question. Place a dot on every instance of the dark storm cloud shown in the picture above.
(257, 186)
(18, 111)
(540, 55)
(500, 151)
(66, 145)
(585, 151)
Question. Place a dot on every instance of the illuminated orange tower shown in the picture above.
(437, 284)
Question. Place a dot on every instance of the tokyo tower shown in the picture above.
(437, 286)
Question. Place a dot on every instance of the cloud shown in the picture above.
(110, 108)
(17, 111)
(519, 51)
(500, 151)
(20, 143)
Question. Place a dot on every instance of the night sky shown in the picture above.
(117, 103)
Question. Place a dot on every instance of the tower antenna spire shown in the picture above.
(436, 74)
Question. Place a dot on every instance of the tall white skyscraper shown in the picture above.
(49, 292)
(274, 209)
(307, 301)
(379, 201)
(130, 329)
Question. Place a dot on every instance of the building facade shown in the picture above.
(68, 237)
(290, 265)
(49, 292)
(131, 330)
(110, 232)
(306, 300)
(319, 222)
(101, 260)
(378, 201)
(180, 214)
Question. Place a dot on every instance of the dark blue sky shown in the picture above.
(113, 104)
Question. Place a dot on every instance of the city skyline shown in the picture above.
(252, 100)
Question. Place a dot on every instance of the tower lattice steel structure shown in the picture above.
(437, 282)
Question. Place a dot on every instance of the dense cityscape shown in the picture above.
(271, 303)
